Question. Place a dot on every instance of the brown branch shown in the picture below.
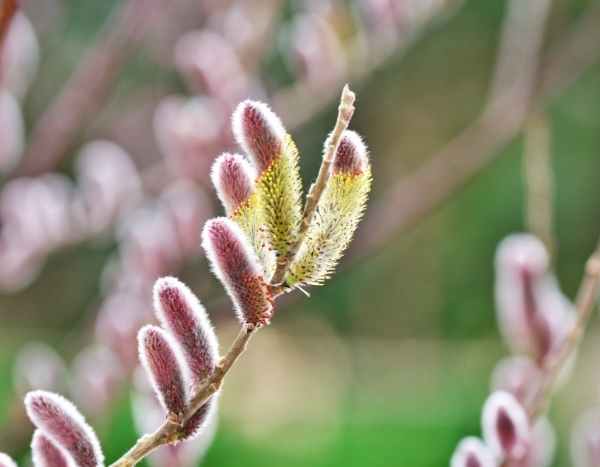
(345, 112)
(479, 144)
(170, 430)
(84, 93)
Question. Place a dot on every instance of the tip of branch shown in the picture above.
(348, 96)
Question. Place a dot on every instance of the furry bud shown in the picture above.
(533, 314)
(279, 189)
(505, 425)
(259, 132)
(351, 156)
(45, 453)
(158, 354)
(181, 313)
(61, 422)
(338, 213)
(233, 178)
(6, 461)
(235, 264)
(472, 452)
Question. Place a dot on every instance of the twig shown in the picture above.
(84, 93)
(170, 430)
(586, 299)
(345, 112)
(538, 177)
(479, 144)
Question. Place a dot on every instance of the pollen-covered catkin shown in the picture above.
(234, 180)
(235, 264)
(339, 210)
(264, 139)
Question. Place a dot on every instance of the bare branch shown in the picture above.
(478, 145)
(84, 93)
(170, 430)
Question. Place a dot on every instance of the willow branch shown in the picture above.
(345, 112)
(587, 297)
(170, 431)
(418, 194)
(85, 91)
(584, 306)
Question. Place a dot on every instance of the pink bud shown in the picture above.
(211, 65)
(189, 132)
(188, 207)
(317, 53)
(233, 178)
(519, 376)
(472, 452)
(45, 453)
(505, 425)
(532, 312)
(108, 183)
(19, 56)
(259, 132)
(38, 366)
(6, 461)
(351, 156)
(158, 354)
(62, 423)
(235, 264)
(181, 313)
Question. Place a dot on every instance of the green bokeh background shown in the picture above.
(412, 325)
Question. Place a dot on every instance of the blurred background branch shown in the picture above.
(516, 81)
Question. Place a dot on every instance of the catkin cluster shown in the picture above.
(266, 231)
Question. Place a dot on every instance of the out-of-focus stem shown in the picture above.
(538, 177)
(86, 90)
(418, 194)
(170, 430)
(587, 297)
(586, 300)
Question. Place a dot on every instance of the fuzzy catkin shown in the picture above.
(338, 213)
(62, 423)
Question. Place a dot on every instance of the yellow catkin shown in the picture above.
(339, 210)
(280, 191)
(249, 217)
